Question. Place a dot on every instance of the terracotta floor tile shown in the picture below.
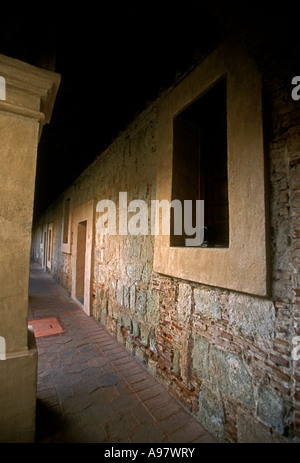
(45, 327)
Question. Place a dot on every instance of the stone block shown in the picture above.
(132, 298)
(270, 409)
(146, 273)
(252, 431)
(101, 274)
(133, 246)
(135, 328)
(211, 412)
(134, 270)
(129, 344)
(152, 339)
(152, 366)
(252, 315)
(200, 356)
(140, 355)
(144, 334)
(112, 287)
(126, 320)
(153, 310)
(126, 294)
(229, 374)
(120, 292)
(96, 271)
(207, 302)
(119, 334)
(110, 309)
(103, 316)
(141, 302)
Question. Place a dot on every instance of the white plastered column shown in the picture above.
(30, 93)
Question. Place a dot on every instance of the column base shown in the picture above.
(18, 389)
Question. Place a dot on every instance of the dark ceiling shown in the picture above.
(113, 59)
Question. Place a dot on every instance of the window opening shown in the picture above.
(200, 165)
(66, 221)
(80, 261)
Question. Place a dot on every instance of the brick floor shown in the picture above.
(90, 389)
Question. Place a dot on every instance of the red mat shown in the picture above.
(45, 327)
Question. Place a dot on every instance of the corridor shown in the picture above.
(90, 389)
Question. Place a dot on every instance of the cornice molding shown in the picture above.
(30, 91)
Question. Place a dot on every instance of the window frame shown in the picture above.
(243, 265)
(66, 247)
(49, 250)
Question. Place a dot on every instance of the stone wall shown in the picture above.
(225, 355)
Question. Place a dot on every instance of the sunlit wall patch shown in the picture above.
(2, 348)
(2, 88)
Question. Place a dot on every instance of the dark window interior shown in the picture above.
(200, 164)
(66, 221)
